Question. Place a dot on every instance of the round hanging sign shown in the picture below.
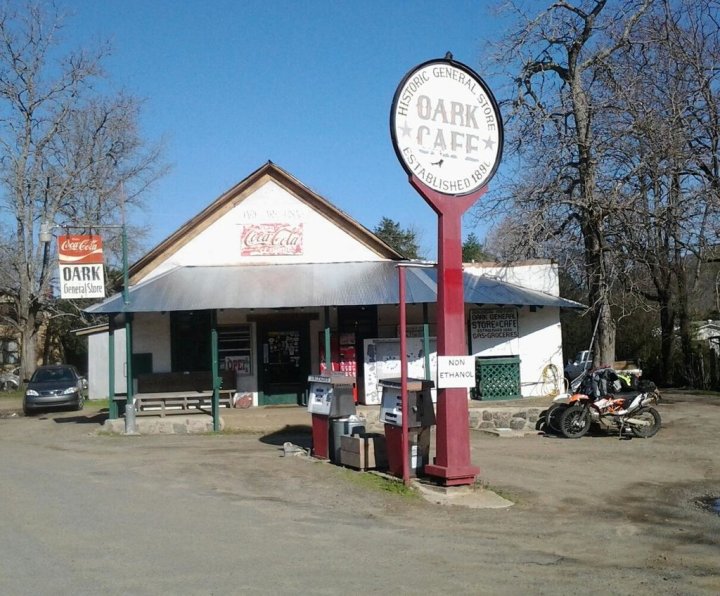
(446, 127)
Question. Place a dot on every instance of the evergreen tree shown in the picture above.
(473, 250)
(402, 240)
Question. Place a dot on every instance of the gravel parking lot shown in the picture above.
(85, 513)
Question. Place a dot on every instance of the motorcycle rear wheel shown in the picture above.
(574, 422)
(651, 417)
(552, 418)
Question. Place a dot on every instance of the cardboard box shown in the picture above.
(364, 451)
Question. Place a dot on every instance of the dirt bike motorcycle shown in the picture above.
(598, 401)
(550, 418)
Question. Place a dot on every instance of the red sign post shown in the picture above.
(447, 133)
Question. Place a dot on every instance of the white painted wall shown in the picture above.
(540, 348)
(536, 275)
(538, 345)
(98, 378)
(219, 244)
(151, 333)
(539, 341)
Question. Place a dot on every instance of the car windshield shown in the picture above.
(48, 375)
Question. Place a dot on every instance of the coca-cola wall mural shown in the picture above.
(271, 239)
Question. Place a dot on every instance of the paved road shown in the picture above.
(89, 514)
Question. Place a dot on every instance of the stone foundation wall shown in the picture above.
(512, 418)
(519, 419)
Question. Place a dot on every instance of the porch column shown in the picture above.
(112, 404)
(130, 402)
(328, 355)
(426, 342)
(215, 371)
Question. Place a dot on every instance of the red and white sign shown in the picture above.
(271, 239)
(80, 250)
(240, 364)
(81, 266)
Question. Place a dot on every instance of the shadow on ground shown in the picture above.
(298, 434)
(98, 419)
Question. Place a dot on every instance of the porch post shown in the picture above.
(215, 371)
(426, 342)
(130, 402)
(328, 355)
(112, 404)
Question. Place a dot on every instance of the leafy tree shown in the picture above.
(70, 155)
(402, 240)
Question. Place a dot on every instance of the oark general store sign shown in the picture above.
(81, 266)
(445, 127)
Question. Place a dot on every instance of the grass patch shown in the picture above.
(97, 404)
(376, 482)
(11, 394)
(500, 492)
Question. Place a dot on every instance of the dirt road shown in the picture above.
(227, 514)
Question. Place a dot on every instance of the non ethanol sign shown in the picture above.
(446, 127)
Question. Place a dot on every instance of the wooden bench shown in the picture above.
(180, 402)
(181, 393)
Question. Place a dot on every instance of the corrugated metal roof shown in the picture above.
(308, 285)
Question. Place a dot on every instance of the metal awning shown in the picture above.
(308, 285)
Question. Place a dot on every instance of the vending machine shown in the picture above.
(343, 356)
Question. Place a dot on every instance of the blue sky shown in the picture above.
(306, 84)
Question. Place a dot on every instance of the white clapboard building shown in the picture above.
(274, 273)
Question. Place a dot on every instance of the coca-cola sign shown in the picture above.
(80, 250)
(81, 266)
(271, 239)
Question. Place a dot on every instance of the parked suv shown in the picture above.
(56, 386)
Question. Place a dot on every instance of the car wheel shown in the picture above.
(27, 411)
(80, 404)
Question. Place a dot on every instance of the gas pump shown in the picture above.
(421, 417)
(329, 398)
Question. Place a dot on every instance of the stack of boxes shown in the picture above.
(364, 451)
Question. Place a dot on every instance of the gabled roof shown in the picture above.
(232, 197)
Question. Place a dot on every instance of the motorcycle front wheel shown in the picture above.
(644, 423)
(574, 422)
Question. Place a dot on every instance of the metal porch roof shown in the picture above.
(308, 285)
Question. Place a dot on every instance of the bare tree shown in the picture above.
(66, 151)
(667, 86)
(558, 126)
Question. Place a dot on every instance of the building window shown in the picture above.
(235, 349)
(190, 341)
(9, 351)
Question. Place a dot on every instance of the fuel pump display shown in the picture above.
(421, 417)
(329, 398)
